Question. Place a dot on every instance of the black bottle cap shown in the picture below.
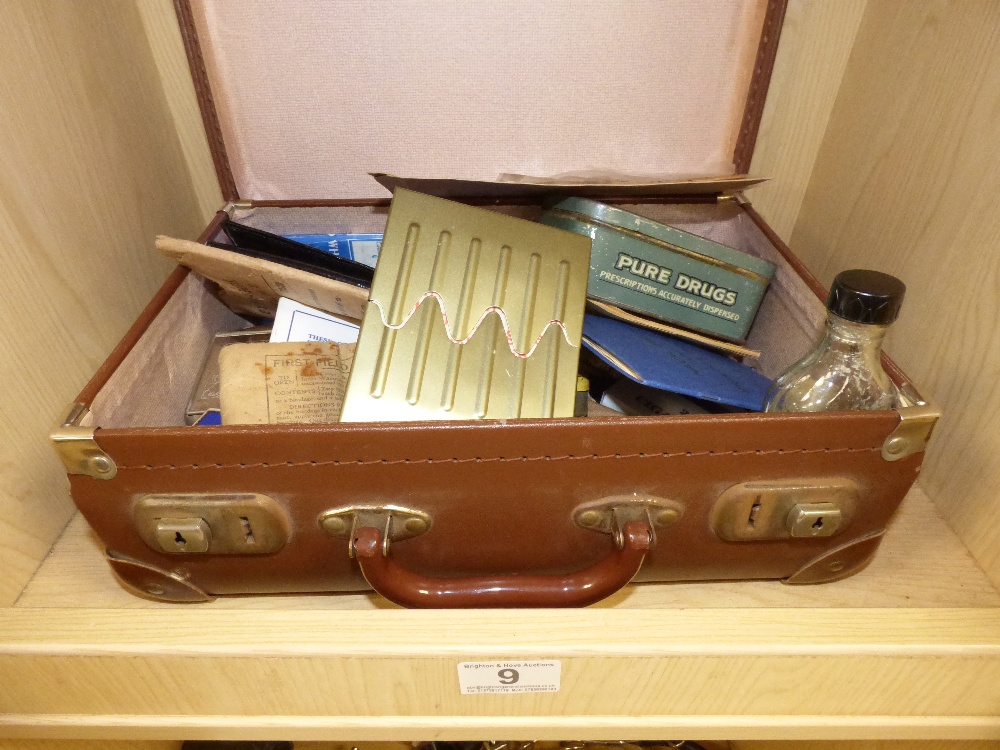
(864, 296)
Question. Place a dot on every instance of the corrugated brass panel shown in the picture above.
(472, 314)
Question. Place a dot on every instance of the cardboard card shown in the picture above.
(602, 185)
(670, 364)
(253, 286)
(611, 311)
(283, 383)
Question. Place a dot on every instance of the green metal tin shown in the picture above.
(657, 270)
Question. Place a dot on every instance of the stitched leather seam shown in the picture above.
(493, 459)
(753, 109)
(206, 99)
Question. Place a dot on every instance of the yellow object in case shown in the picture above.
(472, 314)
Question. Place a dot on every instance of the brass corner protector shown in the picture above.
(838, 563)
(911, 435)
(151, 582)
(76, 446)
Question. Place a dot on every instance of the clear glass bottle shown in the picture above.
(844, 372)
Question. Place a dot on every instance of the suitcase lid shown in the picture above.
(302, 100)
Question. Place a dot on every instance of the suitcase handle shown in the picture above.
(572, 590)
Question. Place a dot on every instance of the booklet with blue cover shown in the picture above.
(670, 364)
(363, 248)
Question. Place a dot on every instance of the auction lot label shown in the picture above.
(475, 677)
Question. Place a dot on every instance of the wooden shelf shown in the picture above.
(909, 648)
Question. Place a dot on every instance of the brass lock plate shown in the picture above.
(759, 511)
(814, 520)
(183, 535)
(223, 524)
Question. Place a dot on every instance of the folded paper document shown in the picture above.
(283, 383)
(634, 400)
(297, 322)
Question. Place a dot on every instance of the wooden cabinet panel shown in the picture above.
(816, 42)
(908, 181)
(91, 170)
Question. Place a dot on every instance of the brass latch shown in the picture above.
(913, 431)
(609, 515)
(394, 522)
(77, 448)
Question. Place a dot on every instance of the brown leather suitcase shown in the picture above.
(557, 512)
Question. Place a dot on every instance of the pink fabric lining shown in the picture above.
(312, 95)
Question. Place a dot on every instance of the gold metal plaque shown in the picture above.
(473, 314)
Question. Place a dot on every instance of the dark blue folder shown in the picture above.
(670, 364)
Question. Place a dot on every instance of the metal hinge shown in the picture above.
(609, 515)
(77, 448)
(395, 522)
(916, 423)
(232, 206)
